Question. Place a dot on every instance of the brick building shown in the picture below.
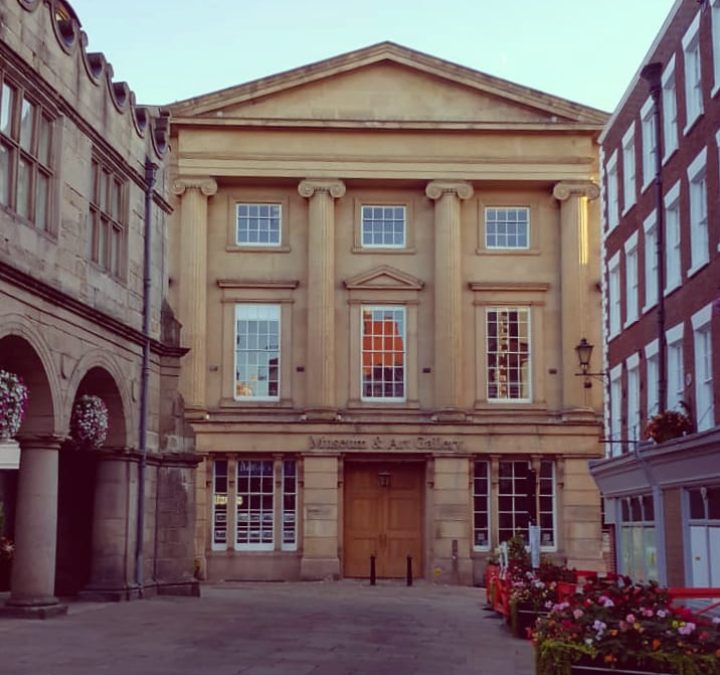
(661, 259)
(83, 187)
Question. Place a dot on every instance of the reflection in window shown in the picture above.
(639, 548)
(383, 353)
(257, 351)
(508, 354)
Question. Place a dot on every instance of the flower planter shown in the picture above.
(524, 621)
(589, 668)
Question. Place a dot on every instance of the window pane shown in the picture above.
(4, 174)
(257, 340)
(508, 353)
(713, 496)
(383, 226)
(41, 203)
(44, 142)
(383, 352)
(6, 106)
(697, 505)
(507, 227)
(23, 188)
(27, 123)
(259, 224)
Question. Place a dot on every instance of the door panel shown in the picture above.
(383, 517)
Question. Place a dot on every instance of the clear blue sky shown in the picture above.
(167, 50)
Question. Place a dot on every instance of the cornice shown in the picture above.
(289, 284)
(509, 287)
(57, 297)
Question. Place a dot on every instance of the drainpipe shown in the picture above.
(150, 169)
(651, 73)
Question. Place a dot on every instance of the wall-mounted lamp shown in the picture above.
(584, 351)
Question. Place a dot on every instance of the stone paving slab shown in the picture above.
(323, 628)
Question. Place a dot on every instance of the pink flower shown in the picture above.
(630, 618)
(577, 613)
(662, 613)
(686, 629)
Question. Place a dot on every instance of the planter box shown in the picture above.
(9, 454)
(594, 670)
(524, 620)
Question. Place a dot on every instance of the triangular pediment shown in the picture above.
(384, 278)
(386, 83)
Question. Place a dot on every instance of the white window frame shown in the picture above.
(528, 313)
(675, 367)
(614, 309)
(715, 28)
(267, 219)
(652, 371)
(703, 367)
(649, 143)
(645, 525)
(669, 107)
(507, 222)
(239, 307)
(393, 308)
(693, 74)
(613, 205)
(385, 219)
(634, 421)
(631, 279)
(629, 169)
(673, 260)
(699, 235)
(616, 411)
(651, 261)
(478, 497)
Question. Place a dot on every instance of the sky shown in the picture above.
(586, 51)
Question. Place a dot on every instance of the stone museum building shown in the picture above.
(382, 264)
(84, 204)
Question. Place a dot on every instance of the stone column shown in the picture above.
(575, 281)
(111, 575)
(320, 393)
(33, 572)
(448, 292)
(194, 194)
(320, 515)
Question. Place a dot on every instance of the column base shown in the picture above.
(35, 608)
(319, 569)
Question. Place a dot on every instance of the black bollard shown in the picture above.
(409, 571)
(372, 570)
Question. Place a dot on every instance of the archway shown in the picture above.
(77, 481)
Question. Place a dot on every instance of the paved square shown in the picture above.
(324, 628)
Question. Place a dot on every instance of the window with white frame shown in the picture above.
(637, 538)
(652, 372)
(481, 505)
(631, 279)
(669, 103)
(613, 208)
(26, 161)
(628, 152)
(508, 353)
(614, 295)
(257, 352)
(258, 224)
(673, 273)
(699, 237)
(514, 500)
(649, 142)
(616, 410)
(675, 367)
(651, 261)
(703, 376)
(383, 226)
(219, 504)
(693, 73)
(257, 498)
(704, 526)
(507, 227)
(715, 20)
(632, 364)
(384, 353)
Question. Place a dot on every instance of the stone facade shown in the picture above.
(82, 166)
(377, 426)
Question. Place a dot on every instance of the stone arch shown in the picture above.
(24, 351)
(99, 374)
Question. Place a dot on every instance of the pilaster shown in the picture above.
(575, 281)
(321, 195)
(193, 194)
(448, 289)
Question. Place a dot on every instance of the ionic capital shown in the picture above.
(576, 188)
(310, 186)
(438, 188)
(208, 186)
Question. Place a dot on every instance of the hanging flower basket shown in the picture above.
(89, 422)
(667, 425)
(13, 403)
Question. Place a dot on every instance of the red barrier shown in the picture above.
(696, 594)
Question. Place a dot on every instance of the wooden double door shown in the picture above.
(383, 516)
